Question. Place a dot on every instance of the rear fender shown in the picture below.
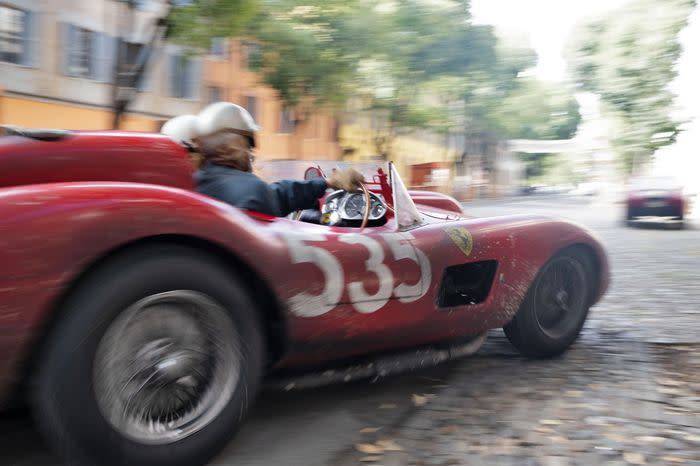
(437, 201)
(52, 232)
(49, 234)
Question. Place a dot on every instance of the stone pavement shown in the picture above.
(606, 402)
(628, 392)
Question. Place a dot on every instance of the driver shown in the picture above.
(226, 140)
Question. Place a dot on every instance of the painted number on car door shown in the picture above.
(303, 250)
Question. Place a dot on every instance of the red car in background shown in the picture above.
(655, 198)
(139, 317)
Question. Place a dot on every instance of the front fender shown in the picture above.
(533, 240)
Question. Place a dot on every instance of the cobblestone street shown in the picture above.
(628, 392)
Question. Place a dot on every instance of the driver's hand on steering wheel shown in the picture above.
(348, 179)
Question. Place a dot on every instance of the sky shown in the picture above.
(547, 23)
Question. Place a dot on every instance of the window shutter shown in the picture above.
(102, 56)
(194, 78)
(68, 40)
(146, 83)
(172, 75)
(187, 69)
(110, 51)
(30, 56)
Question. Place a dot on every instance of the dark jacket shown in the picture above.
(247, 191)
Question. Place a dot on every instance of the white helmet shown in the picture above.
(225, 115)
(181, 129)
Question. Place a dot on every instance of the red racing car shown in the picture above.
(655, 198)
(141, 317)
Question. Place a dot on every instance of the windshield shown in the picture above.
(647, 183)
(407, 213)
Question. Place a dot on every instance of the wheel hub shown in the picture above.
(560, 297)
(166, 367)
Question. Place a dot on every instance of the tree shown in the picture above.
(413, 64)
(310, 50)
(539, 110)
(628, 58)
(195, 23)
(434, 63)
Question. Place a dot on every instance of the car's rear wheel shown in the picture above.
(156, 360)
(555, 307)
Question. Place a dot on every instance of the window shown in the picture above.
(251, 104)
(218, 47)
(88, 54)
(252, 55)
(214, 94)
(80, 52)
(335, 130)
(132, 52)
(184, 76)
(311, 127)
(286, 122)
(146, 5)
(14, 35)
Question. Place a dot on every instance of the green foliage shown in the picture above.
(536, 165)
(197, 23)
(311, 49)
(539, 110)
(414, 64)
(628, 58)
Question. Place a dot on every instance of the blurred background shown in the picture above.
(478, 99)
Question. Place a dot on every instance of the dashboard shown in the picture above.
(342, 207)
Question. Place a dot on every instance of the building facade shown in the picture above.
(284, 135)
(57, 64)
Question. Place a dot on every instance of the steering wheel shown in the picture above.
(314, 172)
(368, 205)
(310, 174)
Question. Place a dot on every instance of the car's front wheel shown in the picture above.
(155, 362)
(555, 307)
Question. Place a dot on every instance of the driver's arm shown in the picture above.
(301, 195)
(298, 195)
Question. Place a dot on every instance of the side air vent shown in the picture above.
(467, 283)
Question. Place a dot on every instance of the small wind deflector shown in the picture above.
(39, 134)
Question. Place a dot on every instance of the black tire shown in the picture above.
(541, 330)
(65, 402)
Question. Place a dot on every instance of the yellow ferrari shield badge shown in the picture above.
(462, 238)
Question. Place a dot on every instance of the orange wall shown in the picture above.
(311, 140)
(35, 114)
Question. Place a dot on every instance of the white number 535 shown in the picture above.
(302, 250)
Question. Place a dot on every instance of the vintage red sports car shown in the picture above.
(141, 317)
